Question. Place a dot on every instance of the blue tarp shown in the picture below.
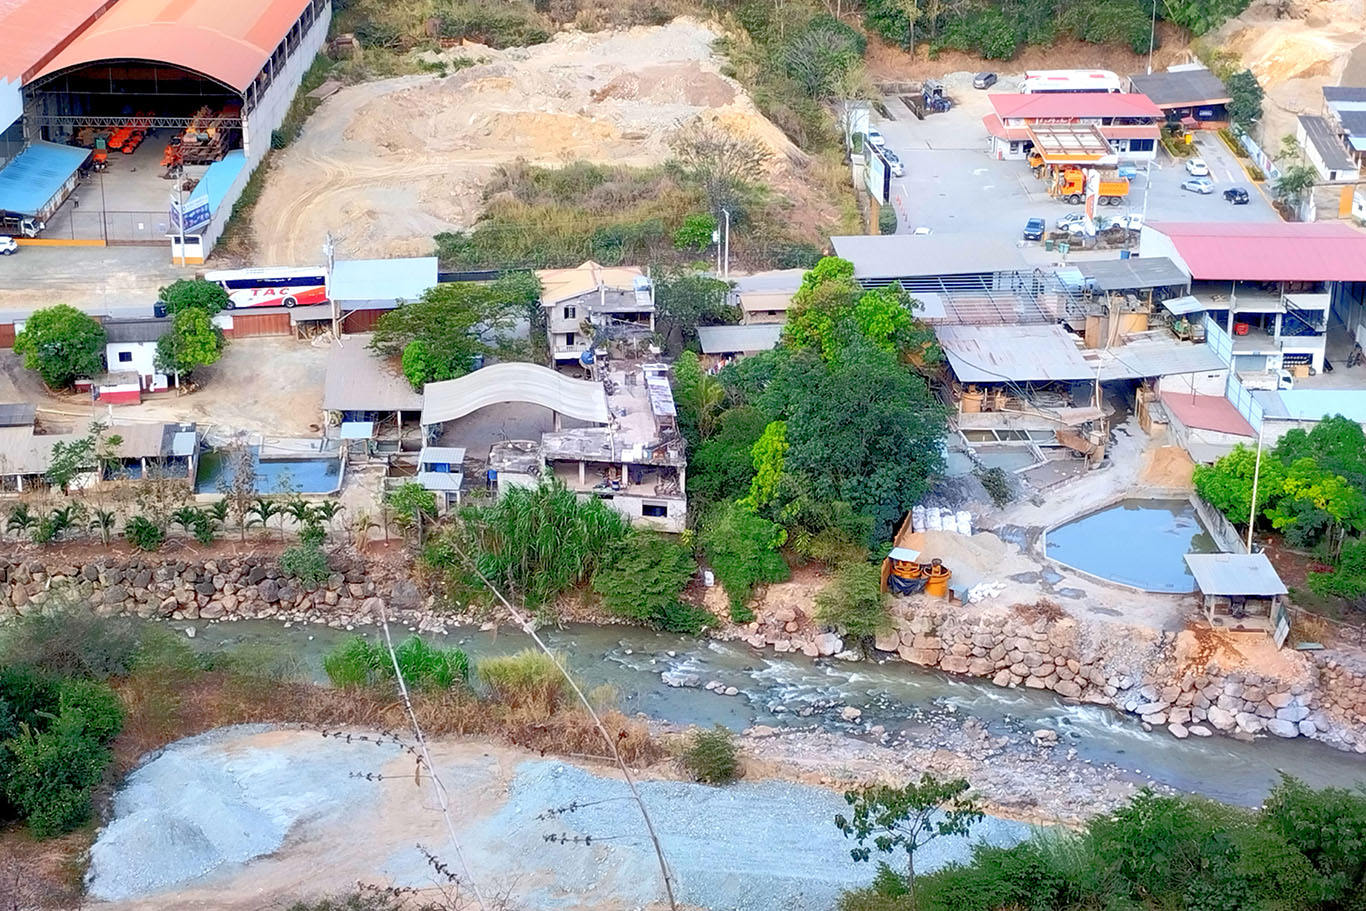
(218, 177)
(37, 174)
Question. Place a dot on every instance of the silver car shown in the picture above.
(1202, 185)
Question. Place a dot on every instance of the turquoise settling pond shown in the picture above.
(318, 474)
(1142, 543)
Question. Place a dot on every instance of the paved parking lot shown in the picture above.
(953, 185)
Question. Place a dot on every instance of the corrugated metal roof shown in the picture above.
(1132, 274)
(17, 415)
(1058, 105)
(894, 256)
(34, 176)
(1235, 574)
(751, 301)
(1326, 143)
(1268, 251)
(33, 31)
(531, 384)
(1313, 404)
(732, 339)
(1141, 360)
(1181, 89)
(1184, 305)
(996, 354)
(562, 284)
(229, 42)
(357, 379)
(1332, 93)
(1353, 122)
(381, 281)
(123, 331)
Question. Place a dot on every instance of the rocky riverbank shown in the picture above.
(1189, 683)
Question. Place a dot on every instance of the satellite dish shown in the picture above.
(586, 357)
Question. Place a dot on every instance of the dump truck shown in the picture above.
(1069, 185)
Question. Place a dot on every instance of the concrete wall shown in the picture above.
(1196, 383)
(1219, 527)
(675, 519)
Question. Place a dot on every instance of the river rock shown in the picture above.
(1046, 737)
(680, 679)
(189, 632)
(887, 642)
(1199, 730)
(1068, 689)
(849, 713)
(828, 644)
(1222, 719)
(1282, 728)
(1249, 723)
(1295, 713)
(1178, 730)
(1280, 700)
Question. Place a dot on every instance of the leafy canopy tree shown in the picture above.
(722, 467)
(743, 548)
(193, 342)
(643, 580)
(854, 603)
(196, 294)
(62, 344)
(1245, 94)
(907, 818)
(439, 335)
(688, 300)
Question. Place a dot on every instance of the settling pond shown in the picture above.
(304, 474)
(1140, 543)
(792, 690)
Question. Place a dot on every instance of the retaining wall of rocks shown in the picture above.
(242, 588)
(1162, 677)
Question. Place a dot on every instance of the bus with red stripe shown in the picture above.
(281, 286)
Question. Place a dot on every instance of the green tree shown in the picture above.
(1201, 16)
(819, 55)
(687, 300)
(643, 580)
(695, 233)
(723, 164)
(62, 344)
(439, 335)
(743, 549)
(1245, 92)
(768, 454)
(868, 432)
(194, 294)
(907, 818)
(72, 457)
(1328, 827)
(722, 467)
(1294, 182)
(193, 342)
(1227, 484)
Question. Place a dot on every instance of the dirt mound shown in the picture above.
(1168, 466)
(383, 166)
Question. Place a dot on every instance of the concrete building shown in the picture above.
(588, 306)
(142, 83)
(1344, 110)
(143, 451)
(1129, 123)
(625, 448)
(1326, 150)
(131, 346)
(1188, 94)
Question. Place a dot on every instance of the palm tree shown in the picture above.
(22, 520)
(362, 523)
(261, 511)
(103, 522)
(327, 511)
(186, 517)
(218, 511)
(300, 510)
(59, 520)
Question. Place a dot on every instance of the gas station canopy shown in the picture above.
(1070, 144)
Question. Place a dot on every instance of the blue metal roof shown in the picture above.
(382, 281)
(218, 177)
(28, 183)
(1314, 404)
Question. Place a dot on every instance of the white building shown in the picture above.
(131, 347)
(590, 305)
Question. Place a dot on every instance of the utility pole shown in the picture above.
(180, 215)
(1256, 476)
(1152, 38)
(726, 273)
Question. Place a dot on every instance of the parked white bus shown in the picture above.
(1036, 81)
(282, 286)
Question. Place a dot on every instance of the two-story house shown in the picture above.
(591, 305)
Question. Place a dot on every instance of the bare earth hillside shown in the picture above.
(385, 165)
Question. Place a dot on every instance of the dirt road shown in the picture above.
(384, 166)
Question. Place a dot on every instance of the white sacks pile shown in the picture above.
(935, 518)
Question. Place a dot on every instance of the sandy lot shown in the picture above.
(384, 166)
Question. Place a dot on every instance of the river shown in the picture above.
(792, 690)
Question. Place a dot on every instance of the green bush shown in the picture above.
(853, 602)
(886, 219)
(143, 533)
(356, 662)
(712, 757)
(97, 705)
(30, 697)
(70, 641)
(997, 485)
(528, 679)
(305, 562)
(642, 580)
(427, 667)
(695, 233)
(499, 25)
(53, 772)
(742, 547)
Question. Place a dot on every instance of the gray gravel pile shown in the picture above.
(200, 804)
(763, 846)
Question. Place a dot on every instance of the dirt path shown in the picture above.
(384, 166)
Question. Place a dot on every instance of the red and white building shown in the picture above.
(1130, 123)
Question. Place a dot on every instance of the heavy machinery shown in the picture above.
(1069, 185)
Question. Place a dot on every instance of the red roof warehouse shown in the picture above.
(1261, 251)
(1129, 122)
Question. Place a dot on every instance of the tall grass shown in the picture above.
(358, 662)
(528, 681)
(534, 543)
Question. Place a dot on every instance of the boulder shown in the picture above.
(1308, 728)
(849, 713)
(887, 642)
(783, 614)
(1002, 678)
(1249, 723)
(1283, 728)
(1199, 730)
(679, 679)
(1068, 689)
(1279, 700)
(1294, 713)
(828, 644)
(1179, 730)
(1222, 719)
(268, 590)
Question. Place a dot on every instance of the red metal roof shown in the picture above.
(994, 127)
(1057, 105)
(226, 40)
(33, 31)
(1207, 412)
(1268, 251)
